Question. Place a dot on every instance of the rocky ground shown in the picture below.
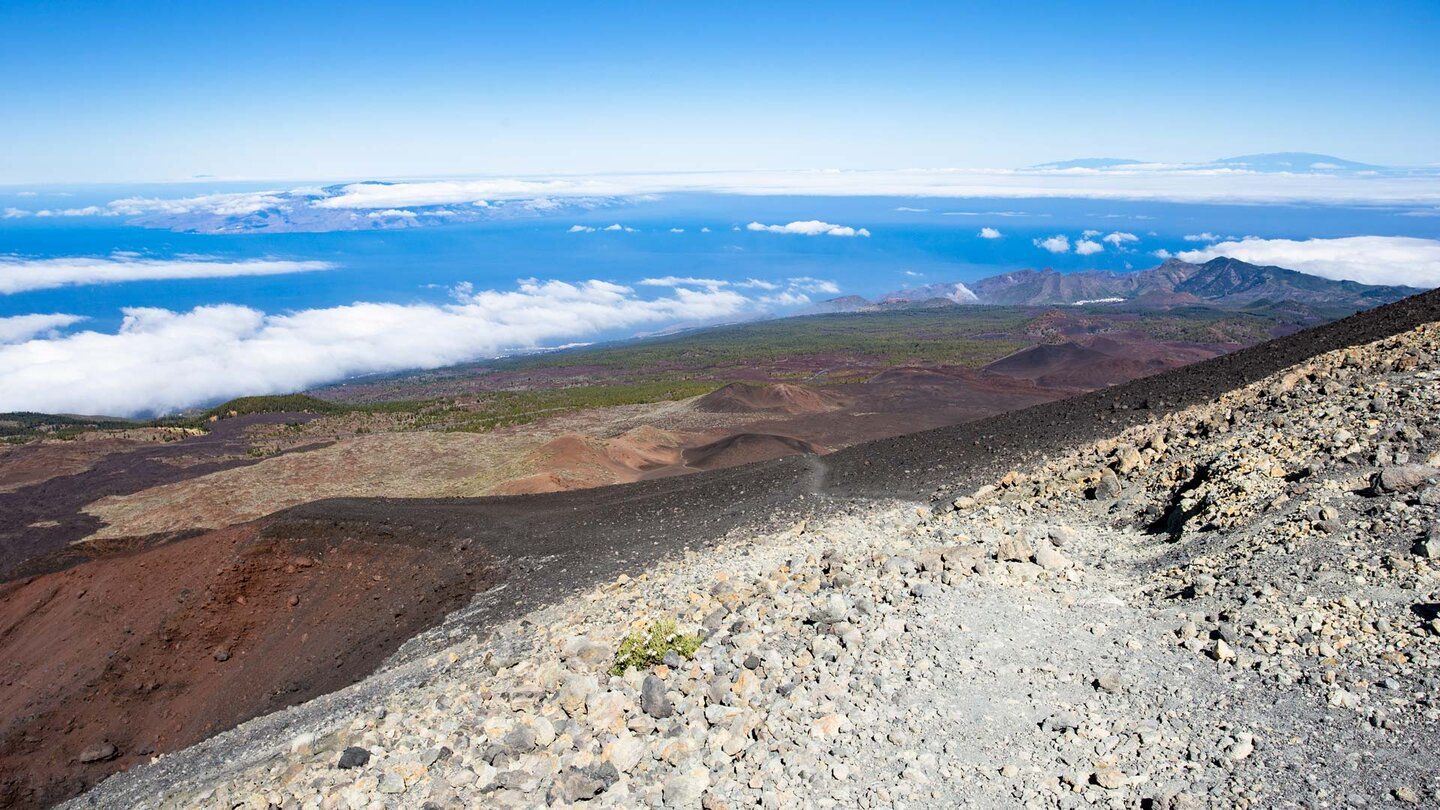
(1235, 604)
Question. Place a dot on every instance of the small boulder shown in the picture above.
(102, 752)
(354, 757)
(1202, 585)
(583, 784)
(1109, 681)
(1061, 721)
(1429, 545)
(653, 700)
(1050, 559)
(521, 739)
(1403, 478)
(1014, 548)
(1109, 486)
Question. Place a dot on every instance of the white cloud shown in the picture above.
(392, 213)
(757, 284)
(788, 298)
(19, 275)
(160, 360)
(1086, 247)
(1162, 253)
(87, 211)
(991, 214)
(913, 274)
(908, 209)
(1089, 233)
(809, 227)
(1367, 259)
(1201, 237)
(704, 230)
(1059, 243)
(989, 233)
(27, 194)
(1119, 238)
(580, 229)
(226, 205)
(618, 227)
(814, 285)
(677, 230)
(14, 213)
(17, 328)
(684, 281)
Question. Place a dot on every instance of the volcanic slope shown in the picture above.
(1233, 602)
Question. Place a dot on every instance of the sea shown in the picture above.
(911, 242)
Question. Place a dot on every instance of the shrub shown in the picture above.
(647, 647)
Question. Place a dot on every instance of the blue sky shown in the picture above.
(114, 92)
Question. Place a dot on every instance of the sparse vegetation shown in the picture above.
(502, 408)
(972, 336)
(647, 647)
(23, 426)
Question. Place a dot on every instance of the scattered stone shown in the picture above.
(392, 783)
(101, 752)
(583, 784)
(1108, 777)
(1110, 682)
(1403, 478)
(1203, 585)
(1014, 548)
(354, 757)
(652, 698)
(1051, 560)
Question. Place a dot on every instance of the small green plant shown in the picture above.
(647, 647)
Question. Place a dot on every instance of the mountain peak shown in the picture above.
(1294, 162)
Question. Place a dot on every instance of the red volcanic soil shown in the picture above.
(1098, 362)
(232, 624)
(745, 448)
(780, 398)
(904, 400)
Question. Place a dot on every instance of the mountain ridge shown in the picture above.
(1221, 281)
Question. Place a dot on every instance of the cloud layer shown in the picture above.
(1136, 182)
(18, 328)
(809, 227)
(19, 274)
(160, 360)
(1367, 259)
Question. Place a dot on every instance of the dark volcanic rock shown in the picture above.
(652, 698)
(354, 757)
